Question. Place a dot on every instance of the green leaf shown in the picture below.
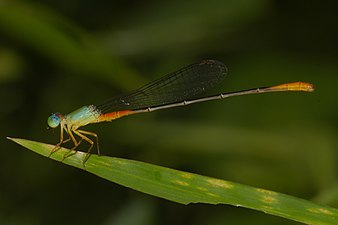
(185, 188)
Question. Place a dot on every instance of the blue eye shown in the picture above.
(54, 120)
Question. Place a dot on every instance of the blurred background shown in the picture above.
(56, 56)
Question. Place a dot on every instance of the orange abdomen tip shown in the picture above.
(295, 86)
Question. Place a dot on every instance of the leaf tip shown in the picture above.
(17, 140)
(11, 139)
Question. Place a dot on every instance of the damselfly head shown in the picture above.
(54, 120)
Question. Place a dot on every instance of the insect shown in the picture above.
(174, 89)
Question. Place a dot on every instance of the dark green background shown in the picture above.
(60, 55)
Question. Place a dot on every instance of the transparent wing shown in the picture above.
(174, 87)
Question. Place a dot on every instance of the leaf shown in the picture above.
(185, 188)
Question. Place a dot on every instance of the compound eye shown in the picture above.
(54, 120)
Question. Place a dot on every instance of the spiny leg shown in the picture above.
(58, 145)
(86, 139)
(76, 143)
(94, 135)
(91, 142)
(81, 134)
(72, 151)
(65, 141)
